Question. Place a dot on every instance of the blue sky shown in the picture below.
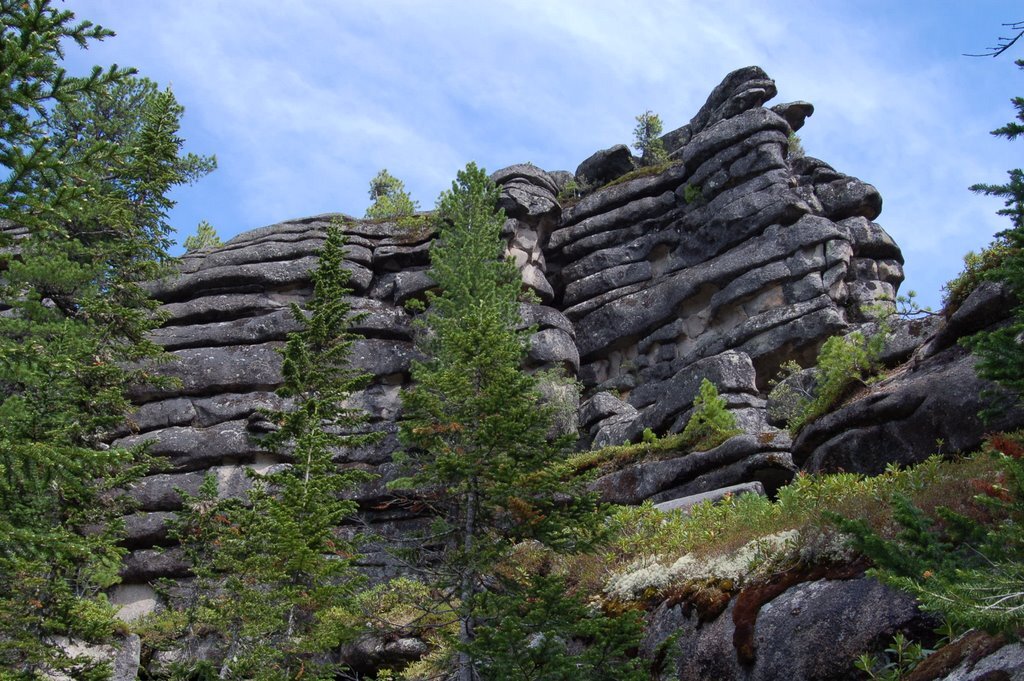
(303, 102)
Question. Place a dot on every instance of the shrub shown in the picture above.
(795, 146)
(978, 267)
(692, 194)
(842, 362)
(711, 423)
(570, 191)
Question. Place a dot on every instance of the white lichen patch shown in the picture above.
(758, 558)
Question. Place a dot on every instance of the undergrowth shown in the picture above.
(617, 457)
(795, 529)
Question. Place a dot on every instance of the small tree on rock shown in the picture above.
(277, 580)
(647, 136)
(205, 237)
(390, 200)
(711, 423)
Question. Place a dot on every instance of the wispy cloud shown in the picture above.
(304, 101)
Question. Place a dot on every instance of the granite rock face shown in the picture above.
(721, 266)
(727, 263)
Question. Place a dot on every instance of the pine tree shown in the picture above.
(205, 237)
(276, 578)
(390, 200)
(84, 223)
(647, 139)
(476, 428)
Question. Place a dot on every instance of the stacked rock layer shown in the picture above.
(723, 264)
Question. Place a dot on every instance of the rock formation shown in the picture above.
(723, 264)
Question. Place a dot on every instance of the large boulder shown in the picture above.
(923, 409)
(606, 165)
(812, 631)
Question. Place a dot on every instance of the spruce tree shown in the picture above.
(476, 430)
(84, 222)
(276, 578)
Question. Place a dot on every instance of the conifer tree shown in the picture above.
(711, 423)
(1000, 352)
(276, 578)
(390, 200)
(84, 221)
(647, 139)
(476, 429)
(205, 237)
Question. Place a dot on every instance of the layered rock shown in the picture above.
(228, 313)
(722, 265)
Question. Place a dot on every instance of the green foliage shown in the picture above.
(276, 580)
(967, 566)
(900, 658)
(808, 505)
(476, 427)
(642, 171)
(615, 457)
(390, 200)
(711, 423)
(842, 362)
(978, 267)
(647, 139)
(794, 146)
(531, 631)
(1000, 354)
(692, 194)
(88, 195)
(570, 191)
(205, 237)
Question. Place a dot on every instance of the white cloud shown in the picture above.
(304, 101)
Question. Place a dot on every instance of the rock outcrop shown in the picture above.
(724, 264)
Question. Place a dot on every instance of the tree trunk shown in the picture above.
(466, 671)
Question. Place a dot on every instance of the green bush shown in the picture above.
(692, 194)
(978, 267)
(795, 146)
